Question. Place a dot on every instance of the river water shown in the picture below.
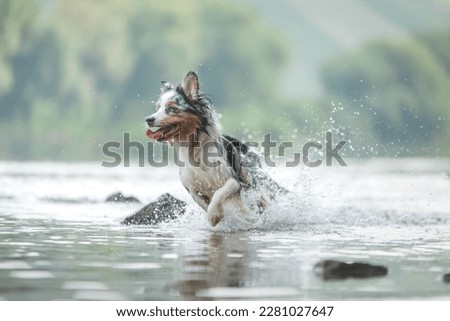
(59, 240)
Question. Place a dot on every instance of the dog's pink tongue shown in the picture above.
(153, 135)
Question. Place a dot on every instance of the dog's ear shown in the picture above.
(190, 85)
(165, 86)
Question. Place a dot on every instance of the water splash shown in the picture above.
(366, 193)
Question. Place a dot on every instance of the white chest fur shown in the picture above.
(203, 172)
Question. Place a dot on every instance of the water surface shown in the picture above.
(60, 241)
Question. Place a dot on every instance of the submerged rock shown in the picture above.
(165, 208)
(120, 198)
(335, 270)
(446, 278)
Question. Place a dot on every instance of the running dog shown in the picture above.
(214, 168)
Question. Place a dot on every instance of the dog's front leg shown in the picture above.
(199, 199)
(215, 208)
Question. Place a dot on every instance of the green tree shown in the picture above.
(16, 19)
(88, 71)
(395, 94)
(439, 45)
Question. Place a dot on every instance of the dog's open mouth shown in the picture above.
(161, 133)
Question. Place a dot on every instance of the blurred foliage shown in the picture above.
(439, 45)
(75, 74)
(15, 18)
(393, 96)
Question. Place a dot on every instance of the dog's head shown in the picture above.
(181, 111)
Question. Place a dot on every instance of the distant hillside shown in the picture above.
(322, 28)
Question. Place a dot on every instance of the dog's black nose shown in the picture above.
(150, 120)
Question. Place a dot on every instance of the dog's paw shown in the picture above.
(215, 214)
(214, 219)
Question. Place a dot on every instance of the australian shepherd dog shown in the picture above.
(216, 169)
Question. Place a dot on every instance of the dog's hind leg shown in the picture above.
(215, 208)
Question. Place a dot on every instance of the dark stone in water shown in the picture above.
(446, 278)
(120, 198)
(335, 270)
(164, 209)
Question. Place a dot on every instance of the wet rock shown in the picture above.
(446, 278)
(165, 208)
(336, 270)
(120, 198)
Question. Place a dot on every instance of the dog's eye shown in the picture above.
(171, 109)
